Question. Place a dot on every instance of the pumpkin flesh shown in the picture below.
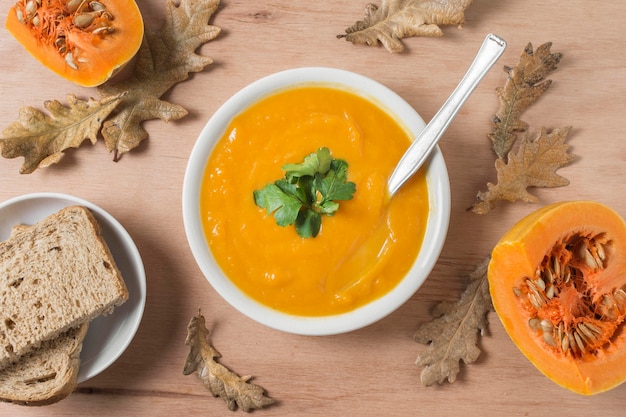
(558, 284)
(87, 43)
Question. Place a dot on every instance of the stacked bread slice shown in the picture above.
(55, 277)
(47, 374)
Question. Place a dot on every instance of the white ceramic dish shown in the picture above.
(437, 180)
(108, 336)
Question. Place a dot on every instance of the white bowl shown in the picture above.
(434, 237)
(108, 336)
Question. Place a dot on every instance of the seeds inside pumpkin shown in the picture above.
(592, 319)
(61, 24)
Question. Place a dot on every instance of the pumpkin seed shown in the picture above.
(534, 323)
(96, 6)
(556, 265)
(20, 15)
(579, 342)
(621, 294)
(541, 284)
(103, 30)
(547, 276)
(60, 43)
(583, 250)
(83, 20)
(69, 60)
(590, 260)
(600, 251)
(593, 328)
(31, 9)
(567, 273)
(534, 286)
(546, 326)
(549, 339)
(550, 292)
(607, 300)
(536, 295)
(571, 341)
(559, 331)
(585, 333)
(564, 343)
(536, 300)
(74, 5)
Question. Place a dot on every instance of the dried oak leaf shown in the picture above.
(453, 334)
(235, 390)
(166, 57)
(398, 19)
(533, 165)
(41, 138)
(525, 84)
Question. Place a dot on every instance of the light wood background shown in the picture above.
(369, 372)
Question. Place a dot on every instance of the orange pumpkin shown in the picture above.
(558, 284)
(84, 41)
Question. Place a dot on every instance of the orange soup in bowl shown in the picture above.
(317, 276)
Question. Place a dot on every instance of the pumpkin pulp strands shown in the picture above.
(66, 25)
(591, 320)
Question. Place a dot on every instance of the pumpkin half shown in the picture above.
(558, 284)
(84, 41)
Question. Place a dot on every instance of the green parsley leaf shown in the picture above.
(309, 190)
(280, 200)
(334, 185)
(318, 162)
(329, 207)
(308, 223)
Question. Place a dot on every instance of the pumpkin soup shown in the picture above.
(323, 275)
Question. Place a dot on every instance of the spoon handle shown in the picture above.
(420, 149)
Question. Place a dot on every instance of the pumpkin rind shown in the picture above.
(517, 257)
(101, 56)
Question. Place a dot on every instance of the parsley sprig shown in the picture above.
(309, 190)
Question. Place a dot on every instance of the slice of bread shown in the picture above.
(54, 275)
(45, 375)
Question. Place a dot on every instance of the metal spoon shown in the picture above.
(420, 149)
(369, 251)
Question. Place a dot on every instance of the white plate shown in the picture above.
(108, 336)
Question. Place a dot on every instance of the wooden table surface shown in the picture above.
(369, 372)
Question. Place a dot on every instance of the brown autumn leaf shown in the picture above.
(525, 84)
(235, 390)
(166, 57)
(535, 162)
(41, 138)
(533, 165)
(452, 335)
(398, 19)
